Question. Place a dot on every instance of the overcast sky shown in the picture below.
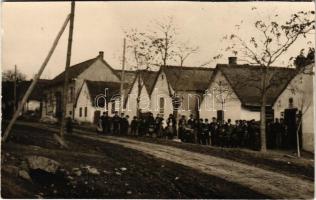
(30, 28)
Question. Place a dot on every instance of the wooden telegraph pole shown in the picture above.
(32, 86)
(122, 77)
(14, 88)
(65, 90)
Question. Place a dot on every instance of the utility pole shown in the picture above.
(65, 90)
(32, 86)
(14, 88)
(122, 77)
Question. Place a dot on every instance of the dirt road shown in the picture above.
(266, 182)
(123, 172)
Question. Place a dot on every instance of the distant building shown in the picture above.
(296, 98)
(33, 103)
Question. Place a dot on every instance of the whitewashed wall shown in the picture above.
(232, 107)
(131, 105)
(98, 71)
(82, 102)
(303, 87)
(161, 91)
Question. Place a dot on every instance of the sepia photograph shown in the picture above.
(157, 99)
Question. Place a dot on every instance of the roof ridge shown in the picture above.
(252, 66)
(187, 67)
(84, 61)
(101, 81)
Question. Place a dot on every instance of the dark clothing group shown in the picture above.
(277, 135)
(224, 134)
(245, 134)
(114, 125)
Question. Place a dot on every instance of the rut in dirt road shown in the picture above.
(263, 181)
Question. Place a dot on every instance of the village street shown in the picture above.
(218, 177)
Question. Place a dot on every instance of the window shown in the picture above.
(80, 112)
(162, 76)
(85, 111)
(161, 105)
(70, 112)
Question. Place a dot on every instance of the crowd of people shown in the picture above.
(216, 132)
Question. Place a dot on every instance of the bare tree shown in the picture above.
(271, 41)
(163, 39)
(140, 48)
(9, 75)
(184, 50)
(223, 93)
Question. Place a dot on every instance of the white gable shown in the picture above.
(161, 90)
(144, 104)
(220, 96)
(98, 71)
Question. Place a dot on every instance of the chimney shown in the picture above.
(232, 60)
(101, 54)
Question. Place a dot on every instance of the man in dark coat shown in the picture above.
(213, 130)
(151, 124)
(134, 126)
(116, 123)
(200, 131)
(206, 132)
(158, 126)
(228, 133)
(190, 122)
(69, 125)
(142, 130)
(124, 125)
(105, 121)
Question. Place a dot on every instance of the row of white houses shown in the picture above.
(231, 89)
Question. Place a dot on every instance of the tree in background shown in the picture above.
(141, 50)
(301, 60)
(267, 44)
(9, 75)
(158, 46)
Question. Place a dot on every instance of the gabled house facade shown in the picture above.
(187, 84)
(96, 69)
(96, 97)
(234, 92)
(298, 96)
(143, 82)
